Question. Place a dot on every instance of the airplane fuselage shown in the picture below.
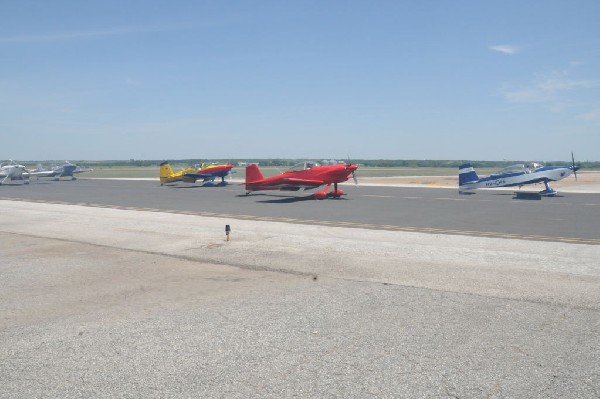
(541, 175)
(65, 170)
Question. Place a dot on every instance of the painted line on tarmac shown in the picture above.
(370, 226)
(450, 199)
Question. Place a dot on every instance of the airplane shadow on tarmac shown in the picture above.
(532, 196)
(189, 186)
(517, 195)
(281, 199)
(520, 195)
(526, 196)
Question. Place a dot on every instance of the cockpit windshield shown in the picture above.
(511, 169)
(519, 168)
(302, 166)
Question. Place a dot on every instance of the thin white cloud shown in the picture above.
(547, 88)
(506, 49)
(527, 95)
(593, 115)
(55, 37)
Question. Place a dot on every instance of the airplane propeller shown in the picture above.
(573, 165)
(348, 163)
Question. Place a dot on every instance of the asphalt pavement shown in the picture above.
(567, 217)
(136, 292)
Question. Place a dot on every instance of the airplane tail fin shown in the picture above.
(466, 174)
(165, 171)
(253, 173)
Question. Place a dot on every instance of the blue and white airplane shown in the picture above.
(516, 175)
(67, 169)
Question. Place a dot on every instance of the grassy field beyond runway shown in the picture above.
(239, 172)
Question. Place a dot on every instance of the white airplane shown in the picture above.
(516, 175)
(67, 169)
(13, 171)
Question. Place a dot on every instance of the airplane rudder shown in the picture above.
(466, 173)
(165, 169)
(253, 173)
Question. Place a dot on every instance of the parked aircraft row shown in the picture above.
(304, 175)
(11, 170)
(310, 175)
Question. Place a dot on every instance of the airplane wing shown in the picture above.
(293, 180)
(81, 170)
(40, 173)
(200, 175)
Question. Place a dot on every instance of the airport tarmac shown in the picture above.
(97, 301)
(569, 217)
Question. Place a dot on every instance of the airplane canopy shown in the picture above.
(303, 166)
(511, 169)
(520, 168)
(534, 166)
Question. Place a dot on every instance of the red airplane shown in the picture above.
(307, 175)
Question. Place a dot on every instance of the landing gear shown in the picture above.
(335, 193)
(548, 192)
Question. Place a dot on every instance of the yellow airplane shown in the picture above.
(168, 176)
(206, 173)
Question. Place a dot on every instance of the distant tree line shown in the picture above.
(381, 163)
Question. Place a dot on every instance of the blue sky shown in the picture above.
(479, 80)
